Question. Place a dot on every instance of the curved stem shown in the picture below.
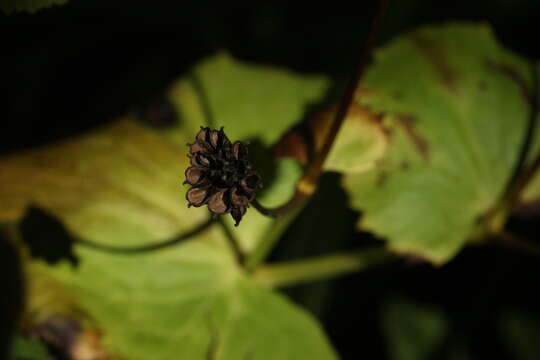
(308, 183)
(523, 173)
(315, 169)
(267, 243)
(515, 242)
(322, 267)
(283, 210)
(521, 183)
(146, 248)
(233, 242)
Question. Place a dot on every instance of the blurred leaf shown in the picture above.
(412, 331)
(532, 191)
(360, 143)
(121, 185)
(521, 332)
(252, 102)
(187, 302)
(118, 185)
(31, 6)
(24, 348)
(456, 113)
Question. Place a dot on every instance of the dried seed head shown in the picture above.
(220, 174)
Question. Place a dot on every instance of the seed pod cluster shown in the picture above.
(220, 174)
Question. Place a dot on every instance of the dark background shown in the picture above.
(70, 68)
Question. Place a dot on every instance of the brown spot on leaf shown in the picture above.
(512, 74)
(421, 144)
(364, 92)
(381, 178)
(404, 165)
(304, 140)
(297, 143)
(434, 53)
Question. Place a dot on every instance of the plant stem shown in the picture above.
(267, 243)
(323, 267)
(308, 183)
(523, 173)
(515, 242)
(145, 248)
(314, 170)
(233, 242)
(283, 210)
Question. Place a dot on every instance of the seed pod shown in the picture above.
(220, 174)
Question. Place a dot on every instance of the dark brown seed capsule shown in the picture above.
(220, 174)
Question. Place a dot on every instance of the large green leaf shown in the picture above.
(185, 303)
(10, 6)
(121, 185)
(456, 115)
(253, 102)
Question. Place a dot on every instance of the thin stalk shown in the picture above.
(515, 242)
(298, 198)
(267, 243)
(233, 243)
(315, 168)
(145, 248)
(522, 173)
(308, 183)
(323, 267)
(522, 181)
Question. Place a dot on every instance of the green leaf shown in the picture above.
(252, 102)
(360, 143)
(118, 185)
(186, 303)
(10, 6)
(520, 332)
(121, 185)
(456, 116)
(413, 331)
